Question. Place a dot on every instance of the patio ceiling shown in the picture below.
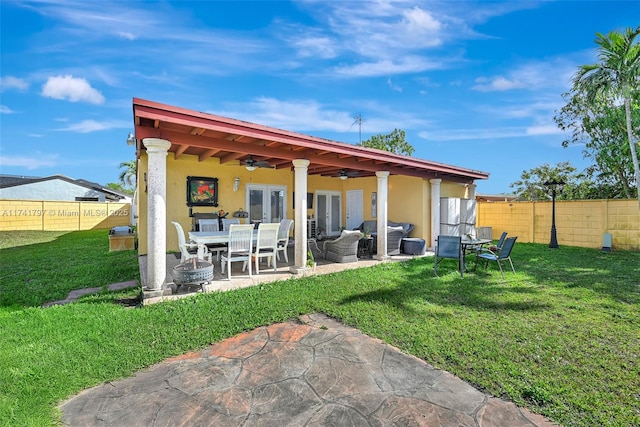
(206, 135)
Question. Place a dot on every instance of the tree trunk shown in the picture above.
(634, 155)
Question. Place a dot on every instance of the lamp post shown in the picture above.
(554, 186)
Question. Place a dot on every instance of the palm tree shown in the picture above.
(128, 176)
(617, 75)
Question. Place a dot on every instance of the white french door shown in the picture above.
(266, 203)
(329, 212)
(355, 202)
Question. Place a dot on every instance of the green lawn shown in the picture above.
(561, 337)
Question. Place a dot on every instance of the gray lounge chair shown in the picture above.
(344, 248)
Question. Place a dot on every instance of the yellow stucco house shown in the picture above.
(272, 174)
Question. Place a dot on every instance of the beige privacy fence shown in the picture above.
(578, 223)
(62, 216)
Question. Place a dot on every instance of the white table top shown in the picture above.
(210, 237)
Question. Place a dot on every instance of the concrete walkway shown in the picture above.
(312, 371)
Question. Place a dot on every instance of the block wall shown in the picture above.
(578, 222)
(62, 216)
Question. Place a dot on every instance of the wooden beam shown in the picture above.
(180, 150)
(207, 154)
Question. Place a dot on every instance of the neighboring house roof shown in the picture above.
(495, 197)
(208, 135)
(7, 181)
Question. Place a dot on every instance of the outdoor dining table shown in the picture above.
(204, 238)
(470, 242)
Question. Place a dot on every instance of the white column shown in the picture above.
(435, 210)
(156, 212)
(471, 191)
(381, 243)
(300, 228)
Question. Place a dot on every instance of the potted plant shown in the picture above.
(311, 262)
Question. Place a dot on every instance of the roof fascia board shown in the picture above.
(190, 118)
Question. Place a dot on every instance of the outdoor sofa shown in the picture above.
(396, 231)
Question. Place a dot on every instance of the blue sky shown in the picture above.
(473, 84)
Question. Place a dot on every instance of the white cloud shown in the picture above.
(385, 67)
(474, 134)
(301, 115)
(553, 73)
(498, 83)
(11, 82)
(317, 47)
(420, 22)
(544, 130)
(127, 35)
(394, 86)
(310, 115)
(87, 126)
(72, 89)
(5, 110)
(33, 161)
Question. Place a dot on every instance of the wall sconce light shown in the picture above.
(131, 140)
(236, 183)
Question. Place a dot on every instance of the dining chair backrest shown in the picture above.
(449, 247)
(284, 230)
(182, 242)
(226, 222)
(267, 236)
(208, 225)
(505, 251)
(240, 238)
(503, 236)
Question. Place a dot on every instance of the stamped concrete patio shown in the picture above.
(311, 371)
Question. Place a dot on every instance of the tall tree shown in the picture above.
(531, 184)
(600, 129)
(393, 142)
(617, 75)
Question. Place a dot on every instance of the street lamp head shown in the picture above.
(554, 185)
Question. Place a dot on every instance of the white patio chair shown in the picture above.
(267, 244)
(208, 225)
(212, 225)
(283, 238)
(239, 248)
(187, 250)
(226, 222)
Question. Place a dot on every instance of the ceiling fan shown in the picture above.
(344, 174)
(251, 164)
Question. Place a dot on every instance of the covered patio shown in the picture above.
(241, 279)
(168, 137)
